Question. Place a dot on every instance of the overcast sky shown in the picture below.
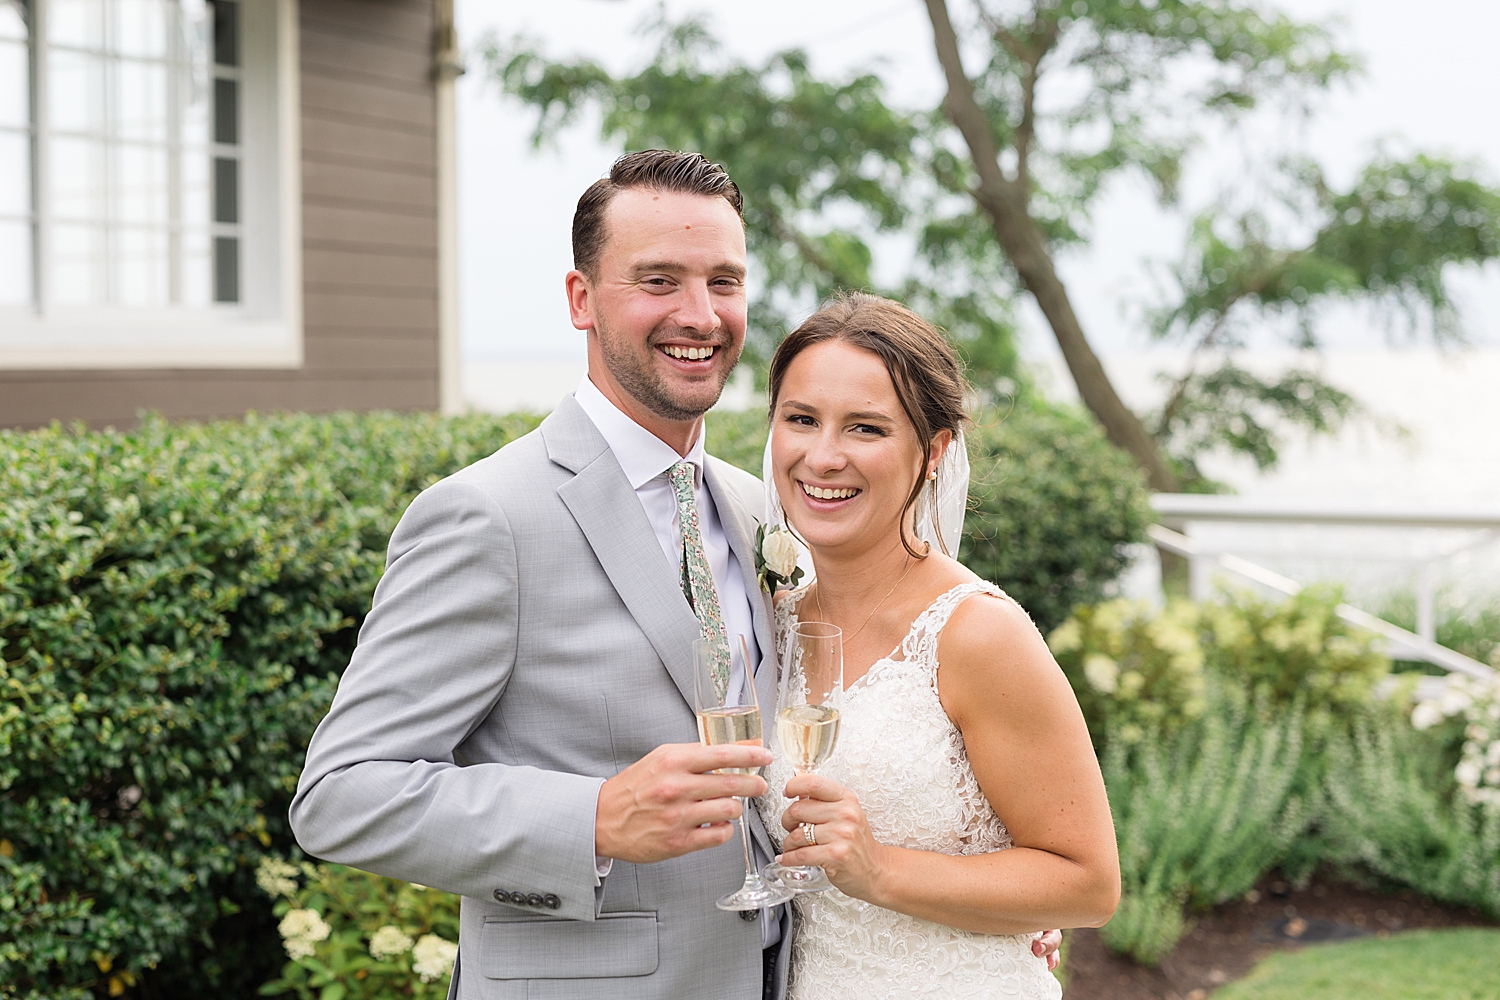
(1429, 85)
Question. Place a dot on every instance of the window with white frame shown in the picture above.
(147, 183)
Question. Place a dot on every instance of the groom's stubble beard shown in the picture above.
(648, 387)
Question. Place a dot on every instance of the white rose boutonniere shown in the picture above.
(776, 558)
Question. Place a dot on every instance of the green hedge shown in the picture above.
(176, 603)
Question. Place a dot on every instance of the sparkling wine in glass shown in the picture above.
(733, 716)
(811, 696)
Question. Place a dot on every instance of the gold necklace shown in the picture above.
(818, 596)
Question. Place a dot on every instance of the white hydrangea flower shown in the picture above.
(300, 932)
(1456, 698)
(432, 957)
(1426, 715)
(1102, 673)
(388, 942)
(276, 877)
(1467, 773)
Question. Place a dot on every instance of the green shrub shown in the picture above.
(1135, 671)
(1393, 811)
(1053, 507)
(1296, 648)
(175, 604)
(348, 933)
(1471, 709)
(1199, 815)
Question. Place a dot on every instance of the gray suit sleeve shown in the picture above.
(381, 790)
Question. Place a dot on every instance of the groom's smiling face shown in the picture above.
(665, 311)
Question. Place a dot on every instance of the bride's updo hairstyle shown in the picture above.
(922, 366)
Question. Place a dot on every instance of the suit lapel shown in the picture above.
(610, 515)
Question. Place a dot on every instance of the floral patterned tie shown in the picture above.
(697, 578)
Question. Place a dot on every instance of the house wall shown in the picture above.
(369, 244)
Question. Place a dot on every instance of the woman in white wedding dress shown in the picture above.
(962, 810)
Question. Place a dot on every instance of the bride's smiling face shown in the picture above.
(844, 454)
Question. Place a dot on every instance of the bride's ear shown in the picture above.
(940, 442)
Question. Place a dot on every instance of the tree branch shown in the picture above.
(1025, 244)
(1029, 54)
(963, 109)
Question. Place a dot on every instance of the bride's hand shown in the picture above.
(845, 847)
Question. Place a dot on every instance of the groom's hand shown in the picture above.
(669, 803)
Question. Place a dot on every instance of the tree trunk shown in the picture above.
(1005, 201)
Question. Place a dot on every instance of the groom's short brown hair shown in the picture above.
(659, 169)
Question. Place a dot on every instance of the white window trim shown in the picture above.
(266, 329)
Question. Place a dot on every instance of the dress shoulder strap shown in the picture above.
(921, 642)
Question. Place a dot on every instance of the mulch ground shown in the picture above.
(1227, 941)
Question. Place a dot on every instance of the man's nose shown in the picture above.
(695, 309)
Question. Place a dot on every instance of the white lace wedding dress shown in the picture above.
(904, 758)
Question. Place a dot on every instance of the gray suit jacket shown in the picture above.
(529, 638)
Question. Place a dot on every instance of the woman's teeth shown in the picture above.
(819, 493)
(687, 353)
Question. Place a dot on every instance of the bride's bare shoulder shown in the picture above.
(992, 649)
(988, 621)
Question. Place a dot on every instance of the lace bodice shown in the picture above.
(906, 760)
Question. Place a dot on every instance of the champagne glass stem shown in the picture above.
(750, 872)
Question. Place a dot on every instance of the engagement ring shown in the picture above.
(809, 835)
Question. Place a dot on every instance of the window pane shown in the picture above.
(141, 100)
(15, 174)
(15, 83)
(226, 111)
(141, 267)
(197, 267)
(78, 258)
(142, 28)
(75, 22)
(12, 22)
(226, 33)
(76, 98)
(194, 192)
(226, 190)
(226, 269)
(15, 263)
(77, 179)
(141, 183)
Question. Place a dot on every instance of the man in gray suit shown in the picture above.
(516, 725)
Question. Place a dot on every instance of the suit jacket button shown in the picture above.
(551, 901)
(749, 915)
(533, 900)
(501, 896)
(517, 899)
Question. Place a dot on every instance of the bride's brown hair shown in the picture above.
(922, 366)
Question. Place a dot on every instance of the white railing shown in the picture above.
(1179, 512)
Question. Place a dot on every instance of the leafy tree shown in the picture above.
(1069, 95)
(1387, 242)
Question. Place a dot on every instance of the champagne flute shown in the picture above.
(811, 696)
(733, 717)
